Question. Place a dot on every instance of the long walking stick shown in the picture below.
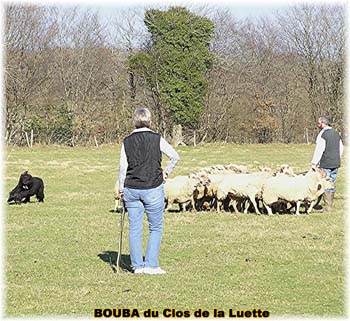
(121, 226)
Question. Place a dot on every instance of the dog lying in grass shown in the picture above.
(27, 186)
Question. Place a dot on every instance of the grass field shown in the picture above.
(57, 253)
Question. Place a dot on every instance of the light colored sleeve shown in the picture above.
(320, 147)
(123, 166)
(172, 154)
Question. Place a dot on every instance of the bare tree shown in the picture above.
(316, 35)
(29, 34)
(68, 78)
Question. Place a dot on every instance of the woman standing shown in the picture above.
(141, 181)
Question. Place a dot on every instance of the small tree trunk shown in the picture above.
(307, 136)
(204, 137)
(177, 135)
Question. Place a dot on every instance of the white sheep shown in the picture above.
(237, 168)
(238, 186)
(184, 189)
(212, 189)
(243, 188)
(180, 190)
(223, 169)
(217, 173)
(295, 189)
(264, 169)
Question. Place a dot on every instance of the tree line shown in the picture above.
(73, 77)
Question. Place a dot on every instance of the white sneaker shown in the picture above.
(138, 271)
(157, 270)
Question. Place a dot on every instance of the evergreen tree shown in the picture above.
(175, 64)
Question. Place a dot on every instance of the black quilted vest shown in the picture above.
(144, 157)
(331, 155)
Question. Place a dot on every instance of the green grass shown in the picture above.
(57, 252)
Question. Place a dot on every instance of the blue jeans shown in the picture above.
(152, 201)
(332, 173)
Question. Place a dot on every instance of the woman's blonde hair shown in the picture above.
(142, 117)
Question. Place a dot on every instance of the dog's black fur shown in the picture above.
(27, 186)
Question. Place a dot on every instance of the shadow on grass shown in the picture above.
(110, 257)
(116, 211)
(174, 211)
(22, 203)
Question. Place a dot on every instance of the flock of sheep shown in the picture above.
(232, 188)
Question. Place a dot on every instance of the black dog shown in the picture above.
(27, 186)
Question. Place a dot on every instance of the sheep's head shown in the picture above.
(237, 168)
(200, 179)
(319, 184)
(286, 169)
(327, 183)
(200, 183)
(316, 172)
(265, 169)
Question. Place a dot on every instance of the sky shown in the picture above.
(241, 8)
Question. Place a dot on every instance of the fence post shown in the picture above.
(31, 138)
(27, 139)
